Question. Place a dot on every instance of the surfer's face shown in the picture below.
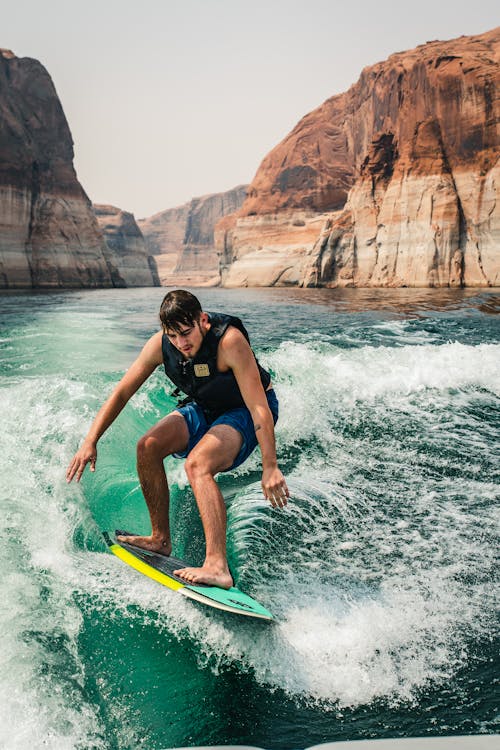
(188, 339)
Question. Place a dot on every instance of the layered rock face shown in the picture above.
(164, 236)
(277, 248)
(136, 266)
(182, 239)
(405, 164)
(49, 236)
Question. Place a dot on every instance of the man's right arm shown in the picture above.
(145, 364)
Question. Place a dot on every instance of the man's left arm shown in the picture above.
(238, 355)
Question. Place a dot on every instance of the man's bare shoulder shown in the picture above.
(233, 337)
(152, 351)
(234, 345)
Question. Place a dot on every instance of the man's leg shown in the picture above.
(215, 452)
(169, 436)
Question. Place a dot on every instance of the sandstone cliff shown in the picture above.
(49, 236)
(164, 236)
(136, 266)
(274, 248)
(404, 170)
(182, 239)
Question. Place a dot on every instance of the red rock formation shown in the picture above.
(312, 168)
(414, 146)
(49, 235)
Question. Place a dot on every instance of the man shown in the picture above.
(231, 406)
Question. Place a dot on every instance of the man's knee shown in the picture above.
(196, 466)
(168, 436)
(148, 447)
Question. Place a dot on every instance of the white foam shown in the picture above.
(316, 382)
(41, 704)
(384, 614)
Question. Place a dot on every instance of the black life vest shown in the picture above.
(216, 392)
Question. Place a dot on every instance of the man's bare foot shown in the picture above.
(150, 543)
(212, 575)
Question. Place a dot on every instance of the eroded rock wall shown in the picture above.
(406, 166)
(49, 236)
(182, 239)
(135, 265)
(164, 237)
(273, 249)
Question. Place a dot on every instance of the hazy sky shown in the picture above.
(167, 100)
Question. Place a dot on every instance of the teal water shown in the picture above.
(381, 571)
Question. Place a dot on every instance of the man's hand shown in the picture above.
(140, 370)
(86, 454)
(274, 487)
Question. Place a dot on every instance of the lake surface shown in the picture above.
(380, 572)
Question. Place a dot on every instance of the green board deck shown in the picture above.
(161, 569)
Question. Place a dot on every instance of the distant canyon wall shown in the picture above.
(182, 239)
(123, 236)
(393, 183)
(164, 236)
(49, 236)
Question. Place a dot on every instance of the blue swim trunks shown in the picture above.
(240, 419)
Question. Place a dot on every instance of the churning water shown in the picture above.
(381, 571)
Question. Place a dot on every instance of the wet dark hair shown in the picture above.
(179, 309)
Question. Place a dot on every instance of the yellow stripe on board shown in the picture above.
(144, 568)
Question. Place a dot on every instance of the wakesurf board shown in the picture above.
(161, 569)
